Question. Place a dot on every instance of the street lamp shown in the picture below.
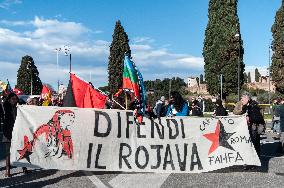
(66, 53)
(269, 70)
(221, 85)
(57, 51)
(29, 67)
(239, 59)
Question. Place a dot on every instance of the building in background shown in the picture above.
(194, 87)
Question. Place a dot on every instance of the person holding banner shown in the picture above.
(178, 105)
(256, 123)
(1, 113)
(10, 113)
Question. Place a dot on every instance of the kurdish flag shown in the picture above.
(133, 82)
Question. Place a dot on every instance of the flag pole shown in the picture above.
(126, 105)
(118, 103)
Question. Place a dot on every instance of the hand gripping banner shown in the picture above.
(109, 140)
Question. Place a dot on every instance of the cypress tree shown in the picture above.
(201, 79)
(277, 66)
(27, 72)
(118, 48)
(249, 77)
(245, 78)
(257, 75)
(222, 48)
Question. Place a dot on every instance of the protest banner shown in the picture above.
(109, 140)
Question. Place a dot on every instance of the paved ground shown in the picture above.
(271, 174)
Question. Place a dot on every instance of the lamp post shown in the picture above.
(57, 51)
(66, 53)
(221, 84)
(170, 88)
(269, 70)
(29, 67)
(239, 59)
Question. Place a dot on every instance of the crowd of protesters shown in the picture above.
(176, 105)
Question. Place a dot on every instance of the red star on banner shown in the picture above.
(219, 138)
(214, 137)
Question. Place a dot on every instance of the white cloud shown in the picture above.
(140, 47)
(88, 55)
(55, 28)
(143, 40)
(15, 23)
(98, 32)
(6, 4)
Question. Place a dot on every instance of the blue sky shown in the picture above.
(166, 36)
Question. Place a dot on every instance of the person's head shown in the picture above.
(176, 100)
(199, 98)
(13, 99)
(167, 102)
(278, 100)
(33, 101)
(246, 97)
(162, 99)
(219, 102)
(195, 103)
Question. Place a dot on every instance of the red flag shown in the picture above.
(45, 95)
(94, 99)
(85, 95)
(79, 88)
(17, 91)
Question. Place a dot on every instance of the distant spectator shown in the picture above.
(159, 107)
(195, 108)
(276, 115)
(33, 101)
(220, 109)
(201, 104)
(178, 106)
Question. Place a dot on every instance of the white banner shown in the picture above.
(109, 140)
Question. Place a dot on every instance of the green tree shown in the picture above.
(201, 78)
(245, 78)
(28, 73)
(249, 77)
(198, 80)
(257, 75)
(161, 88)
(223, 47)
(118, 48)
(277, 66)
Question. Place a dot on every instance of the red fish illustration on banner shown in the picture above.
(57, 135)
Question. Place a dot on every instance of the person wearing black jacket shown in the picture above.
(220, 110)
(1, 115)
(10, 113)
(255, 120)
